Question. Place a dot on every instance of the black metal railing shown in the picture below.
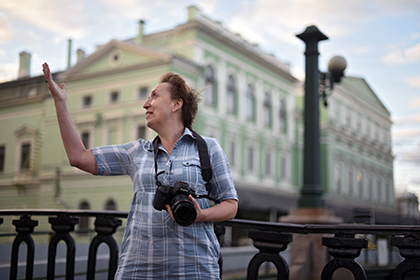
(269, 238)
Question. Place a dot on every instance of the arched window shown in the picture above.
(267, 109)
(231, 95)
(210, 82)
(360, 183)
(84, 220)
(350, 180)
(388, 197)
(283, 116)
(379, 189)
(250, 103)
(370, 186)
(110, 205)
(338, 170)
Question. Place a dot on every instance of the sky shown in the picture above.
(380, 39)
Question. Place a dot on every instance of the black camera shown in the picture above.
(177, 198)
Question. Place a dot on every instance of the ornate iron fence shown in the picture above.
(269, 238)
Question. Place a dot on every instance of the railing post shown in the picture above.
(344, 248)
(409, 247)
(62, 225)
(219, 230)
(24, 228)
(270, 245)
(104, 227)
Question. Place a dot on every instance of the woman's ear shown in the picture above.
(177, 104)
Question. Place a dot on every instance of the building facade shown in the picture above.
(249, 104)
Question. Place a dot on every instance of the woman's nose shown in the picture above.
(146, 104)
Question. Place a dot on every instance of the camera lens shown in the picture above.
(183, 210)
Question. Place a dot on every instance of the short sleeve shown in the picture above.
(222, 182)
(113, 159)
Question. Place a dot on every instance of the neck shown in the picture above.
(168, 138)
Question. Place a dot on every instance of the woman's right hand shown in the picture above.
(58, 92)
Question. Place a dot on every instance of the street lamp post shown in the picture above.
(311, 208)
(316, 84)
(311, 193)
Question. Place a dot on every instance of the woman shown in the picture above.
(154, 246)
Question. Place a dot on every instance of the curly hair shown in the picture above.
(190, 97)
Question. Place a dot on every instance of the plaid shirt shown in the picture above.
(154, 246)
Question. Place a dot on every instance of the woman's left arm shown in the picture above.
(226, 210)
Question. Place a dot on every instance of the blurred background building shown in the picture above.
(251, 104)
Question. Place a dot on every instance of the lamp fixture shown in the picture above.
(336, 67)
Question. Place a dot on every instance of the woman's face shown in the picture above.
(159, 106)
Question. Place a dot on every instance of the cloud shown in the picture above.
(283, 19)
(415, 36)
(67, 17)
(5, 33)
(414, 82)
(409, 55)
(406, 133)
(406, 120)
(409, 154)
(5, 72)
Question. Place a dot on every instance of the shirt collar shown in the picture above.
(187, 132)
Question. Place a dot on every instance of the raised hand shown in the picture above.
(58, 92)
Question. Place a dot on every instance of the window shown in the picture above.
(25, 156)
(283, 116)
(379, 189)
(267, 109)
(210, 82)
(110, 205)
(367, 129)
(250, 103)
(87, 101)
(115, 58)
(231, 95)
(387, 191)
(338, 187)
(350, 180)
(231, 153)
(112, 135)
(85, 139)
(143, 92)
(370, 186)
(251, 158)
(360, 182)
(359, 124)
(141, 132)
(2, 157)
(84, 220)
(348, 121)
(267, 162)
(114, 97)
(283, 168)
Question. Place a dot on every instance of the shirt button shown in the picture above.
(174, 148)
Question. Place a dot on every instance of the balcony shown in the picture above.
(344, 243)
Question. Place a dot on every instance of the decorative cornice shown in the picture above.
(246, 49)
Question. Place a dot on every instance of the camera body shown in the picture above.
(177, 198)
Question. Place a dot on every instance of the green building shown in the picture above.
(251, 104)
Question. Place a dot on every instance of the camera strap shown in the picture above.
(205, 165)
(203, 153)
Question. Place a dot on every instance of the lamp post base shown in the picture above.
(308, 256)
